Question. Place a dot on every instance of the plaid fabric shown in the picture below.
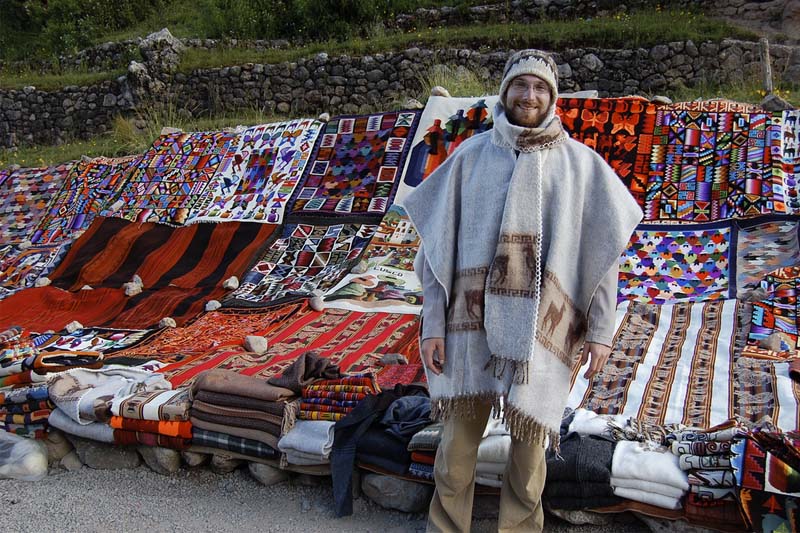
(212, 439)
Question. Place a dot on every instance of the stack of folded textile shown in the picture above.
(646, 475)
(309, 442)
(227, 404)
(25, 410)
(493, 454)
(83, 397)
(333, 399)
(154, 418)
(423, 446)
(35, 368)
(705, 456)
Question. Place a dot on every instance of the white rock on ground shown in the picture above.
(167, 322)
(132, 289)
(73, 326)
(395, 493)
(256, 344)
(57, 445)
(213, 305)
(102, 456)
(71, 461)
(222, 464)
(161, 460)
(194, 459)
(231, 283)
(266, 474)
(317, 303)
(42, 282)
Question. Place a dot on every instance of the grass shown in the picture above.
(639, 29)
(51, 82)
(743, 91)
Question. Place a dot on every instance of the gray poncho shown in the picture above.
(519, 226)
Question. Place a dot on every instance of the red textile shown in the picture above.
(422, 457)
(124, 437)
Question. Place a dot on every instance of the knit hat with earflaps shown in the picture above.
(534, 62)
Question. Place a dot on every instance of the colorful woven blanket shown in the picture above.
(20, 268)
(103, 340)
(170, 178)
(87, 188)
(164, 405)
(259, 173)
(777, 313)
(124, 437)
(785, 150)
(356, 165)
(764, 245)
(162, 427)
(24, 197)
(302, 259)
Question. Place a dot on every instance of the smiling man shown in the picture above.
(521, 229)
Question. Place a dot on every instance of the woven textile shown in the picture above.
(763, 246)
(619, 129)
(356, 165)
(208, 332)
(681, 363)
(389, 283)
(87, 188)
(303, 258)
(444, 124)
(716, 106)
(171, 176)
(710, 165)
(664, 264)
(124, 437)
(102, 340)
(785, 149)
(259, 173)
(20, 268)
(223, 441)
(24, 197)
(181, 269)
(778, 312)
(353, 341)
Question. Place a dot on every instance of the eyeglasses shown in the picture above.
(539, 87)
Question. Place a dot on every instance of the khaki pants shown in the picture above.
(454, 472)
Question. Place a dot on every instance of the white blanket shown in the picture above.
(494, 449)
(646, 486)
(309, 437)
(93, 431)
(305, 459)
(652, 498)
(632, 461)
(588, 422)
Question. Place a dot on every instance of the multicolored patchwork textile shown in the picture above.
(764, 245)
(258, 175)
(716, 106)
(304, 258)
(389, 283)
(356, 165)
(619, 129)
(24, 197)
(709, 165)
(681, 363)
(769, 488)
(778, 312)
(181, 269)
(210, 331)
(664, 264)
(87, 188)
(102, 340)
(785, 149)
(353, 341)
(444, 124)
(20, 268)
(171, 177)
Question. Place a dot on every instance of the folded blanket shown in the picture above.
(355, 397)
(306, 459)
(497, 469)
(93, 430)
(60, 361)
(695, 435)
(85, 395)
(224, 441)
(252, 434)
(36, 431)
(489, 480)
(704, 462)
(651, 498)
(586, 422)
(632, 461)
(319, 415)
(311, 437)
(306, 369)
(26, 418)
(425, 458)
(382, 449)
(161, 427)
(26, 407)
(494, 449)
(421, 470)
(712, 478)
(229, 382)
(236, 413)
(25, 394)
(427, 438)
(23, 378)
(323, 408)
(233, 400)
(237, 421)
(407, 415)
(680, 447)
(714, 493)
(583, 459)
(647, 486)
(331, 400)
(342, 388)
(172, 405)
(134, 438)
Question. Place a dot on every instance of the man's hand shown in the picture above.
(433, 354)
(600, 353)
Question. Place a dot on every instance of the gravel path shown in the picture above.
(90, 500)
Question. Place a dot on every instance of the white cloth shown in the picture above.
(309, 437)
(651, 498)
(489, 480)
(647, 486)
(305, 459)
(588, 422)
(93, 430)
(486, 469)
(494, 449)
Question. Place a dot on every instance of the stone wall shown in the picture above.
(344, 84)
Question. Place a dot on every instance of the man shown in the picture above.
(521, 229)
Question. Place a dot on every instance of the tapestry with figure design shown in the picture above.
(683, 363)
(669, 263)
(708, 165)
(25, 195)
(764, 244)
(776, 316)
(785, 149)
(302, 259)
(619, 129)
(386, 282)
(21, 267)
(445, 123)
(170, 178)
(355, 167)
(354, 341)
(258, 175)
(86, 190)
